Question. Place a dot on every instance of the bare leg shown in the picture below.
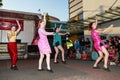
(40, 61)
(62, 50)
(106, 57)
(56, 54)
(98, 59)
(48, 61)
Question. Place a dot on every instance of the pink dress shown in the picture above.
(43, 43)
(97, 40)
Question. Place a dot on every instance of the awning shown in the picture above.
(106, 16)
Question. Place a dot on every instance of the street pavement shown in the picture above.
(73, 70)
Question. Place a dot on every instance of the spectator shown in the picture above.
(82, 44)
(76, 45)
(71, 54)
(87, 44)
(113, 58)
(94, 55)
(78, 54)
(84, 56)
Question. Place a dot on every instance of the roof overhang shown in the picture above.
(18, 14)
(22, 15)
(104, 17)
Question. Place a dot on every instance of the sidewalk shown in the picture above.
(73, 70)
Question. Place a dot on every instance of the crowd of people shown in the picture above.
(80, 49)
(112, 43)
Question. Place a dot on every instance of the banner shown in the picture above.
(6, 24)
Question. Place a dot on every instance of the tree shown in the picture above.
(1, 4)
(48, 23)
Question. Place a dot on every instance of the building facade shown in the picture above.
(82, 12)
(89, 8)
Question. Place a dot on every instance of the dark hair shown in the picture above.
(90, 25)
(40, 20)
(55, 29)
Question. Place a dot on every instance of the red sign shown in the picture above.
(6, 24)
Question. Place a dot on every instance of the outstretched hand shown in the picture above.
(45, 13)
(108, 28)
(96, 17)
(17, 22)
(111, 26)
(60, 26)
(19, 27)
(39, 16)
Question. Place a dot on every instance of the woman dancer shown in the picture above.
(99, 46)
(57, 43)
(43, 45)
(12, 45)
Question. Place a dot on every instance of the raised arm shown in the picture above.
(105, 30)
(43, 23)
(44, 18)
(96, 20)
(19, 27)
(60, 27)
(109, 27)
